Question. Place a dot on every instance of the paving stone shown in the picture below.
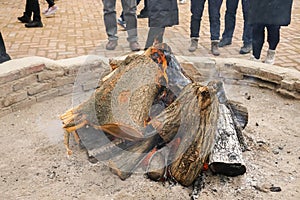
(80, 31)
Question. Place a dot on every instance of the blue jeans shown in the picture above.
(197, 7)
(122, 14)
(230, 17)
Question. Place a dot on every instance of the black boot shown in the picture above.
(3, 55)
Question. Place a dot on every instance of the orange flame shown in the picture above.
(161, 59)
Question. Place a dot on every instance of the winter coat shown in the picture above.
(162, 13)
(276, 12)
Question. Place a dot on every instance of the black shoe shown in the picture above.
(246, 48)
(24, 19)
(4, 57)
(225, 42)
(34, 24)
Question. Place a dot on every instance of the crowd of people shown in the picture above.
(258, 15)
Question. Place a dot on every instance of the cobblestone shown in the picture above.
(78, 29)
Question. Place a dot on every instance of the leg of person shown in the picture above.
(273, 40)
(144, 11)
(110, 23)
(230, 18)
(129, 9)
(197, 7)
(214, 7)
(26, 18)
(155, 35)
(258, 40)
(37, 22)
(121, 21)
(52, 8)
(247, 31)
(3, 55)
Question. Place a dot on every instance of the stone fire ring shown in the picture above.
(26, 81)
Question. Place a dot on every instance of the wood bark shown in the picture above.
(123, 99)
(143, 105)
(226, 157)
(192, 117)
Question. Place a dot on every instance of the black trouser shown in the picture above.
(33, 6)
(50, 3)
(259, 37)
(155, 35)
(3, 55)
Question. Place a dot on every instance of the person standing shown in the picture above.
(110, 21)
(270, 15)
(197, 7)
(32, 6)
(161, 14)
(230, 18)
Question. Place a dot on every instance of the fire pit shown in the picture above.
(271, 135)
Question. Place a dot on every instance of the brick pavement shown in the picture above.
(78, 29)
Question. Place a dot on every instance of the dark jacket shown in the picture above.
(276, 12)
(162, 13)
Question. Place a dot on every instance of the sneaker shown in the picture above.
(121, 22)
(270, 59)
(45, 11)
(24, 19)
(225, 42)
(246, 48)
(194, 45)
(112, 44)
(34, 24)
(182, 1)
(134, 46)
(51, 11)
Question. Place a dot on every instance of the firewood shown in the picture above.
(124, 163)
(226, 157)
(192, 117)
(147, 103)
(156, 169)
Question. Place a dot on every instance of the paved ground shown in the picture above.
(78, 29)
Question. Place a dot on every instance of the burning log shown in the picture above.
(147, 111)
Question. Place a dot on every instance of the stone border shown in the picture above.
(29, 80)
(244, 72)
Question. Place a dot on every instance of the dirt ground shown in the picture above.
(34, 164)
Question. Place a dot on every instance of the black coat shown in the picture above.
(162, 13)
(276, 12)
